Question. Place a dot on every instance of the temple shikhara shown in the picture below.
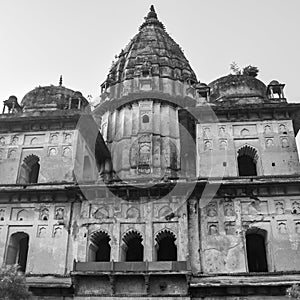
(163, 188)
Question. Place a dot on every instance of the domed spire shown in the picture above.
(151, 54)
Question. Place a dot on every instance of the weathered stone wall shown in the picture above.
(47, 224)
(224, 223)
(274, 141)
(259, 297)
(55, 150)
(127, 298)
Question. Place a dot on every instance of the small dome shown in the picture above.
(200, 85)
(52, 98)
(240, 89)
(274, 82)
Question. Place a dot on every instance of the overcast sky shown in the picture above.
(43, 39)
(40, 39)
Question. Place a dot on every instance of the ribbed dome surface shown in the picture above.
(55, 97)
(152, 51)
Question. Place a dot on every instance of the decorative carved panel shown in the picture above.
(59, 213)
(57, 231)
(101, 213)
(2, 214)
(41, 231)
(212, 228)
(132, 213)
(12, 154)
(228, 209)
(67, 152)
(211, 209)
(44, 214)
(230, 228)
(269, 142)
(281, 226)
(279, 207)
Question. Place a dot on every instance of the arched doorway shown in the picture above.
(99, 249)
(17, 250)
(166, 249)
(247, 160)
(256, 250)
(132, 248)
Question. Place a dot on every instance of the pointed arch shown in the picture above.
(132, 248)
(247, 161)
(29, 169)
(99, 246)
(166, 248)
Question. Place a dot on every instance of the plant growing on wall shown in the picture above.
(12, 284)
(250, 71)
(247, 71)
(235, 68)
(294, 291)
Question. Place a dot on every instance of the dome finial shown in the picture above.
(152, 14)
(60, 80)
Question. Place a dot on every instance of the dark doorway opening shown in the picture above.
(100, 247)
(135, 250)
(256, 252)
(166, 248)
(29, 170)
(133, 247)
(34, 173)
(247, 166)
(247, 161)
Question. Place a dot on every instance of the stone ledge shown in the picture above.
(49, 281)
(244, 280)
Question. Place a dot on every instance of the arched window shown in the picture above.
(29, 170)
(17, 250)
(256, 250)
(99, 249)
(247, 159)
(132, 248)
(166, 250)
(87, 169)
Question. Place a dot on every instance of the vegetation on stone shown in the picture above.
(250, 71)
(294, 291)
(13, 284)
